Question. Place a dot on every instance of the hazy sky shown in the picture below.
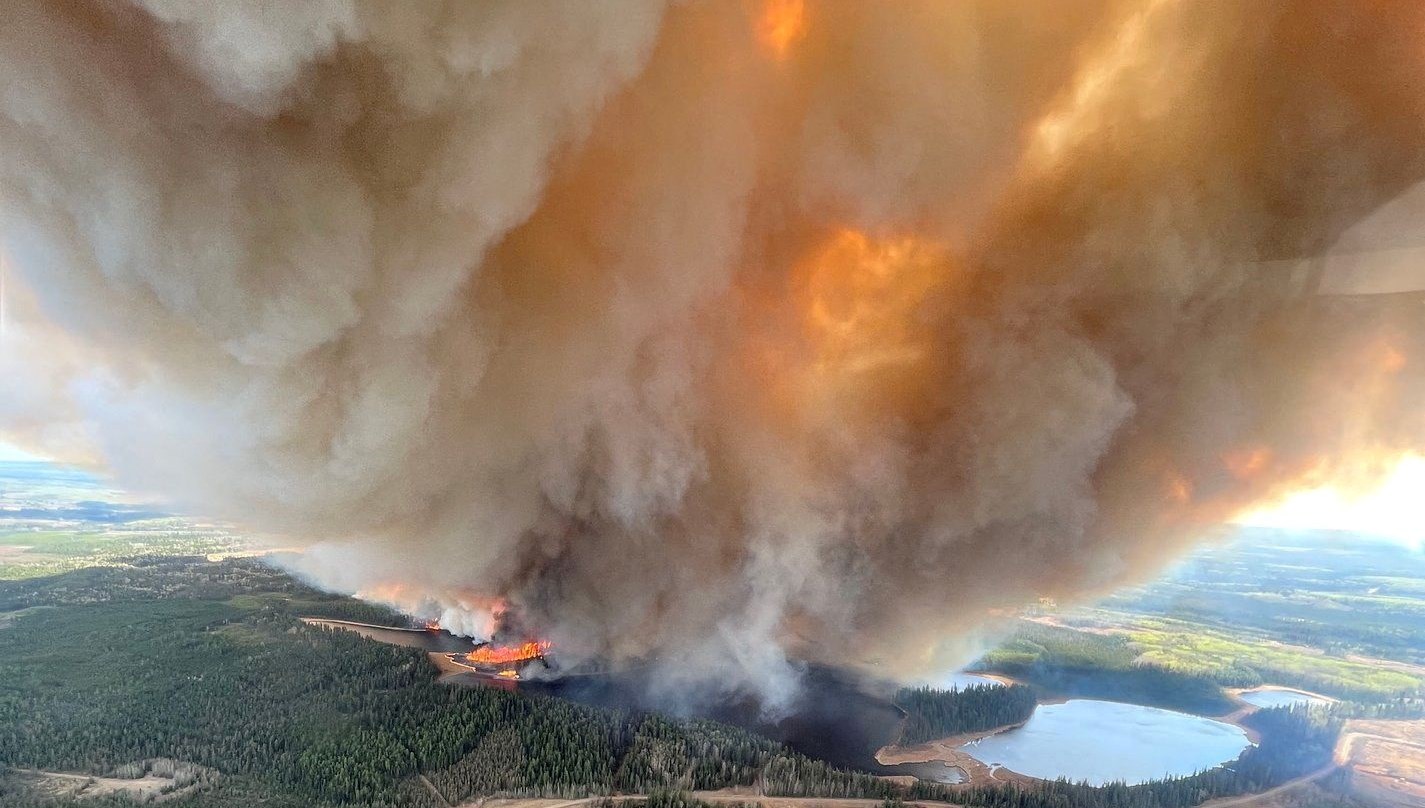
(1393, 511)
(9, 452)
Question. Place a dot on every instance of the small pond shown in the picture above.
(1103, 741)
(1268, 697)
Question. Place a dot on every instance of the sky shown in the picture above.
(1395, 510)
(9, 452)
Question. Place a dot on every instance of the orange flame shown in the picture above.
(388, 592)
(862, 296)
(490, 655)
(783, 22)
(1178, 488)
(1392, 361)
(849, 327)
(1246, 464)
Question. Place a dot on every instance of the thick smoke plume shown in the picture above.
(732, 333)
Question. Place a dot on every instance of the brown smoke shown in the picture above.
(736, 331)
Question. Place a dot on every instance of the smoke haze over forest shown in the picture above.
(739, 332)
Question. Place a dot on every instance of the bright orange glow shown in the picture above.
(1178, 488)
(1391, 359)
(490, 655)
(850, 332)
(782, 23)
(392, 593)
(1093, 86)
(1246, 464)
(1394, 509)
(862, 296)
(464, 612)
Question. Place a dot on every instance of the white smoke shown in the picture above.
(688, 330)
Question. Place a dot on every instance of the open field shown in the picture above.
(31, 553)
(54, 520)
(1387, 759)
(1242, 660)
(1341, 616)
(1340, 594)
(149, 788)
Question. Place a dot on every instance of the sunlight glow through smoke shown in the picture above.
(1394, 510)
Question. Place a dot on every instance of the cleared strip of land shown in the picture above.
(1387, 759)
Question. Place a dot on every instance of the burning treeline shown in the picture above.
(508, 654)
(739, 332)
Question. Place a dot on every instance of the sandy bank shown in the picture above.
(949, 751)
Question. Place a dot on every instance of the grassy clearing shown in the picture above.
(37, 553)
(1248, 659)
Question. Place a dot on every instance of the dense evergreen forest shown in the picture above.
(1075, 663)
(1402, 709)
(208, 664)
(933, 713)
(205, 664)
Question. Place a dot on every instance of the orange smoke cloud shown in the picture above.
(781, 24)
(1245, 464)
(717, 333)
(861, 298)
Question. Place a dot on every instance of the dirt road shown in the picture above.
(1264, 796)
(1387, 759)
(434, 791)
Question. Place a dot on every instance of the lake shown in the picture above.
(1102, 741)
(842, 719)
(441, 642)
(1268, 697)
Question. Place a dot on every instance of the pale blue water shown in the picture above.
(1269, 697)
(933, 771)
(1102, 741)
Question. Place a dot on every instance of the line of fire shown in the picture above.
(506, 662)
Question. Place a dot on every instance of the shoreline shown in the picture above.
(1236, 692)
(949, 751)
(1246, 708)
(905, 753)
(443, 661)
(352, 625)
(448, 667)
